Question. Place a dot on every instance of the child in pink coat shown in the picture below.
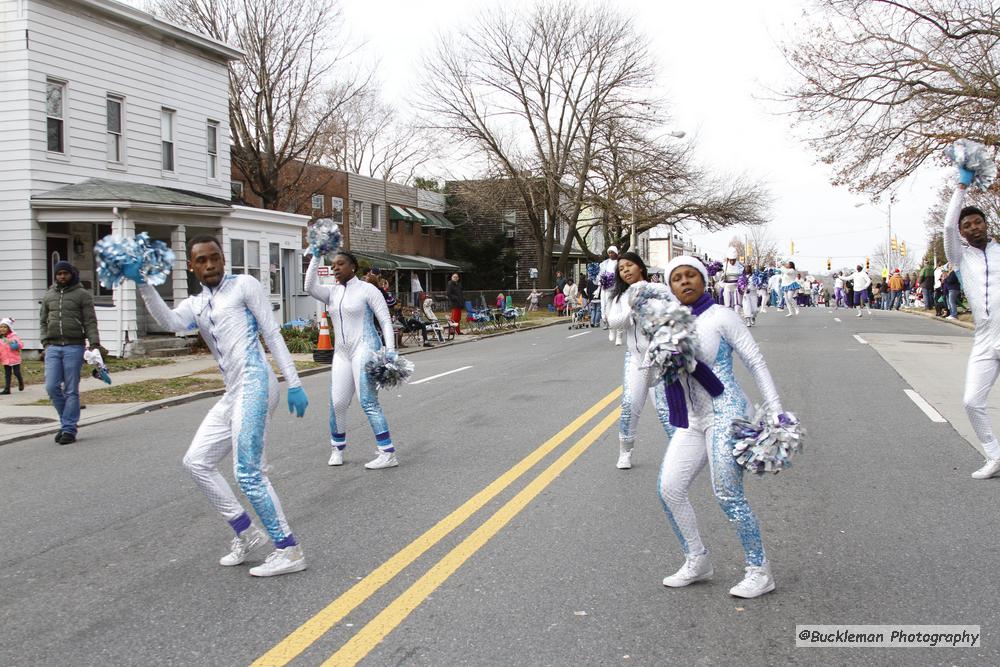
(10, 354)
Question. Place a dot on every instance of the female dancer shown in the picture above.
(637, 381)
(750, 299)
(790, 287)
(731, 272)
(703, 434)
(354, 307)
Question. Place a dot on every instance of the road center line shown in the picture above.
(860, 339)
(583, 333)
(389, 618)
(933, 414)
(441, 375)
(306, 634)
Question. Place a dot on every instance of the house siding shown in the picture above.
(368, 191)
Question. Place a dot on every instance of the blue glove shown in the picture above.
(965, 177)
(297, 401)
(132, 272)
(14, 345)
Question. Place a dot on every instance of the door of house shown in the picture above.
(289, 284)
(57, 250)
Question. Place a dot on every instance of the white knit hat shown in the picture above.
(613, 249)
(687, 260)
(9, 321)
(732, 253)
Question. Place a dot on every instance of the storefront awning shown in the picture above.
(435, 264)
(391, 262)
(442, 222)
(400, 213)
(417, 216)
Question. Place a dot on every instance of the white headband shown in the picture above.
(687, 260)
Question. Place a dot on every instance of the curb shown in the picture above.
(928, 315)
(189, 398)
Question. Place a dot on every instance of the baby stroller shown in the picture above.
(581, 318)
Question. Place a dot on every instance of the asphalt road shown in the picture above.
(111, 554)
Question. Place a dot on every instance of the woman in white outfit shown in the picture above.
(637, 382)
(354, 306)
(750, 300)
(702, 406)
(790, 287)
(731, 272)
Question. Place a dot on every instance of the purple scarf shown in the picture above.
(702, 373)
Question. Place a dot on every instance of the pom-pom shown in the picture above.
(324, 237)
(113, 253)
(607, 280)
(714, 268)
(742, 283)
(760, 279)
(386, 372)
(592, 270)
(94, 358)
(670, 329)
(975, 157)
(766, 444)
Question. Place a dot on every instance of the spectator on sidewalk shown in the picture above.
(571, 292)
(10, 354)
(952, 288)
(456, 301)
(533, 300)
(926, 280)
(66, 320)
(416, 289)
(907, 286)
(895, 290)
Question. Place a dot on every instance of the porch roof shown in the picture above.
(123, 193)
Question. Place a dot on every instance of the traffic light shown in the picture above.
(892, 243)
(902, 248)
(868, 263)
(829, 264)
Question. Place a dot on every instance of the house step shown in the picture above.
(170, 352)
(163, 346)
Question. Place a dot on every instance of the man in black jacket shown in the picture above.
(66, 320)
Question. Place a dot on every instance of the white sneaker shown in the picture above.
(989, 469)
(618, 337)
(796, 311)
(695, 568)
(788, 315)
(624, 460)
(336, 457)
(611, 335)
(859, 313)
(242, 545)
(951, 318)
(384, 460)
(756, 582)
(281, 561)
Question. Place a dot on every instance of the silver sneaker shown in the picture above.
(695, 568)
(624, 459)
(989, 469)
(756, 582)
(384, 460)
(281, 561)
(242, 545)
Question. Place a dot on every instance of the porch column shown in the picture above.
(125, 296)
(178, 279)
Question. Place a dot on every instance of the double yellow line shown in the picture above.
(391, 616)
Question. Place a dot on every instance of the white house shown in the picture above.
(112, 120)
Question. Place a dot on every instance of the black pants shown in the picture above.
(16, 368)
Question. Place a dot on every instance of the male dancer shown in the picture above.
(861, 281)
(982, 289)
(231, 312)
(609, 267)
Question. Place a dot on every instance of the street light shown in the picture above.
(633, 240)
(888, 240)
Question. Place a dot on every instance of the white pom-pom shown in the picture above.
(324, 237)
(975, 157)
(766, 444)
(670, 329)
(386, 372)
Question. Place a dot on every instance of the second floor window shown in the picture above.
(357, 219)
(212, 137)
(55, 95)
(317, 202)
(167, 138)
(376, 217)
(116, 136)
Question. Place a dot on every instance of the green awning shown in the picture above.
(400, 213)
(443, 222)
(417, 216)
(384, 260)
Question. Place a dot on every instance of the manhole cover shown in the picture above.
(23, 421)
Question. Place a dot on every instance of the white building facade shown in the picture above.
(114, 121)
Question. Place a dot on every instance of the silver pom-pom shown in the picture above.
(386, 372)
(975, 157)
(113, 253)
(766, 444)
(324, 237)
(669, 326)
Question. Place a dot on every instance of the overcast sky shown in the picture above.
(716, 61)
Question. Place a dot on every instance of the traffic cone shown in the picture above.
(323, 354)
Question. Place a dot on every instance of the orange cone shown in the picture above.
(323, 354)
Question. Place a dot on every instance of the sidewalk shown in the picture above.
(20, 418)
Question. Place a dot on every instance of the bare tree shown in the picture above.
(884, 85)
(366, 136)
(883, 258)
(278, 92)
(526, 93)
(759, 247)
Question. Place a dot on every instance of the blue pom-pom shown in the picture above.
(592, 270)
(974, 157)
(386, 372)
(114, 253)
(324, 237)
(766, 444)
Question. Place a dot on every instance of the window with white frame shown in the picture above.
(237, 256)
(357, 219)
(212, 148)
(509, 223)
(253, 259)
(317, 202)
(337, 209)
(167, 138)
(274, 266)
(116, 129)
(376, 217)
(55, 127)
